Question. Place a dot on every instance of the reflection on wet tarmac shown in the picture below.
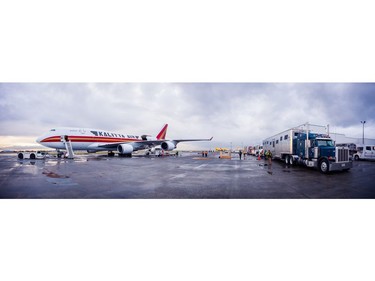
(270, 172)
(88, 176)
(27, 162)
(97, 159)
(59, 181)
(53, 175)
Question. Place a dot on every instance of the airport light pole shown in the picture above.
(363, 131)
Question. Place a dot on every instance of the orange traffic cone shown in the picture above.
(258, 157)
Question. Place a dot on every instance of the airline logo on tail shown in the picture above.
(163, 133)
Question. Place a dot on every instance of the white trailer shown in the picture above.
(281, 145)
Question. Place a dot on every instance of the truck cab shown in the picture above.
(322, 147)
(322, 153)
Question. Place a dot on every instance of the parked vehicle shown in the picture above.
(32, 155)
(258, 150)
(301, 146)
(365, 152)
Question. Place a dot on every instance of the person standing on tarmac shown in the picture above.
(240, 154)
(269, 157)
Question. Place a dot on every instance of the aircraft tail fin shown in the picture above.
(163, 133)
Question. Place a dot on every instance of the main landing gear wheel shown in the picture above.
(324, 166)
(126, 155)
(356, 158)
(32, 156)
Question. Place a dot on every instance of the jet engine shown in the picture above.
(125, 148)
(168, 145)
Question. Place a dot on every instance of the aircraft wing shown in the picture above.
(177, 141)
(138, 145)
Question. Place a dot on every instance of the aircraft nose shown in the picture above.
(39, 139)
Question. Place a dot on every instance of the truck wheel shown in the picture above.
(324, 166)
(291, 161)
(32, 156)
(287, 159)
(356, 158)
(20, 155)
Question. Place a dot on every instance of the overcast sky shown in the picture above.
(241, 113)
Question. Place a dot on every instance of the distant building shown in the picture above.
(342, 139)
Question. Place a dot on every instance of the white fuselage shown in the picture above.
(84, 139)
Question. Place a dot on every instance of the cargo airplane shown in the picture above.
(93, 140)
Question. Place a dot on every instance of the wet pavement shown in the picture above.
(187, 177)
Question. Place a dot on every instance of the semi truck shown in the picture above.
(300, 145)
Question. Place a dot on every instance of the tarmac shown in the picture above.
(185, 177)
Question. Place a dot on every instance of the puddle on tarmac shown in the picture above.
(61, 181)
(96, 159)
(54, 175)
(57, 179)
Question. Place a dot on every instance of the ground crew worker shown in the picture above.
(240, 153)
(269, 156)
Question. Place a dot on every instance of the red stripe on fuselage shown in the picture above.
(90, 139)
